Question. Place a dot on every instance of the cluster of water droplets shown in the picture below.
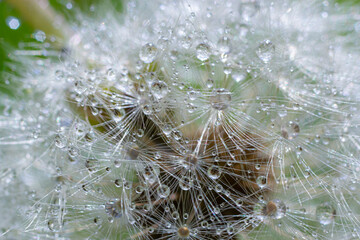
(207, 125)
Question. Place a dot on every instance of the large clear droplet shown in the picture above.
(220, 99)
(159, 89)
(163, 191)
(113, 208)
(60, 141)
(148, 53)
(275, 209)
(261, 181)
(214, 172)
(249, 9)
(325, 213)
(266, 51)
(203, 51)
(290, 131)
(224, 45)
(185, 183)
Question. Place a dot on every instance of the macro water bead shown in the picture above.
(188, 120)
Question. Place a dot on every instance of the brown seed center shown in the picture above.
(184, 232)
(271, 209)
(191, 159)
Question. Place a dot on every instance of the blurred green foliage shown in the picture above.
(10, 38)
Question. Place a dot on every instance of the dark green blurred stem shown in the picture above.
(40, 15)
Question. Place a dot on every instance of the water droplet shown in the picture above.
(189, 161)
(224, 45)
(148, 53)
(167, 129)
(266, 51)
(290, 131)
(175, 215)
(275, 209)
(110, 74)
(203, 51)
(113, 208)
(147, 109)
(185, 183)
(132, 151)
(204, 224)
(13, 23)
(117, 182)
(73, 151)
(40, 36)
(220, 99)
(159, 89)
(248, 9)
(218, 188)
(91, 164)
(139, 189)
(79, 87)
(140, 133)
(53, 225)
(163, 191)
(210, 83)
(261, 181)
(282, 113)
(238, 76)
(214, 172)
(60, 141)
(239, 202)
(177, 135)
(325, 213)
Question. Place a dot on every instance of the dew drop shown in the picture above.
(159, 89)
(203, 51)
(261, 181)
(117, 182)
(139, 189)
(13, 23)
(210, 83)
(175, 215)
(266, 51)
(248, 9)
(163, 191)
(325, 213)
(140, 133)
(79, 87)
(185, 183)
(147, 109)
(60, 141)
(148, 53)
(73, 151)
(275, 209)
(91, 164)
(224, 45)
(110, 74)
(220, 99)
(214, 172)
(204, 224)
(290, 131)
(113, 208)
(238, 76)
(177, 135)
(239, 202)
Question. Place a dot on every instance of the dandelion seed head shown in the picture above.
(188, 120)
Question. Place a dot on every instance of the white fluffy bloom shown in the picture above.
(187, 120)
